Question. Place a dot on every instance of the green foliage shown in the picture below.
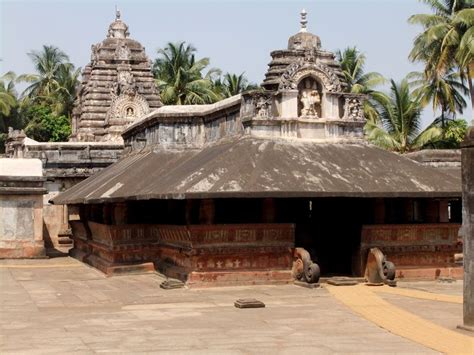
(232, 84)
(359, 82)
(180, 76)
(44, 126)
(446, 42)
(399, 126)
(454, 132)
(55, 81)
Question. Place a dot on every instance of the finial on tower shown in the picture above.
(117, 13)
(303, 20)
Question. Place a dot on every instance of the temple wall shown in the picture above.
(200, 254)
(21, 208)
(64, 164)
(431, 246)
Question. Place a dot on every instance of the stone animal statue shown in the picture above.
(379, 270)
(304, 269)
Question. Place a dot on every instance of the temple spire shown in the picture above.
(303, 20)
(117, 13)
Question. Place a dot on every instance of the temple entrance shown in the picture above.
(331, 232)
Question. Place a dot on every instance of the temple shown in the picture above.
(223, 193)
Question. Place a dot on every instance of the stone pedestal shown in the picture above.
(21, 208)
(467, 230)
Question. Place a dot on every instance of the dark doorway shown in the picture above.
(331, 232)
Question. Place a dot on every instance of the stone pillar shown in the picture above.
(207, 211)
(467, 229)
(443, 211)
(379, 211)
(289, 104)
(268, 210)
(120, 213)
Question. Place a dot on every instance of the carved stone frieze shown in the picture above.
(128, 107)
(302, 68)
(263, 105)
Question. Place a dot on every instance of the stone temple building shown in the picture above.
(223, 193)
(117, 88)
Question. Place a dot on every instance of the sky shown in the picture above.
(237, 36)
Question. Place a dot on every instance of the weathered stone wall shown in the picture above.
(429, 246)
(200, 254)
(21, 208)
(468, 226)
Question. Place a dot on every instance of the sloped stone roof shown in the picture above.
(251, 167)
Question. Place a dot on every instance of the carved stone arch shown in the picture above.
(297, 71)
(128, 107)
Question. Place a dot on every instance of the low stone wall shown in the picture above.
(21, 208)
(430, 246)
(198, 254)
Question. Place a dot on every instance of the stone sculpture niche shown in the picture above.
(309, 98)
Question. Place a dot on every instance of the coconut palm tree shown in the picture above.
(180, 76)
(399, 127)
(446, 92)
(447, 40)
(359, 82)
(47, 64)
(8, 98)
(67, 78)
(232, 84)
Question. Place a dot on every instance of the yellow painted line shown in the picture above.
(418, 294)
(367, 304)
(32, 266)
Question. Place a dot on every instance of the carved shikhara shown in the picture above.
(296, 71)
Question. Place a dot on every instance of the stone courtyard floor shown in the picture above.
(63, 306)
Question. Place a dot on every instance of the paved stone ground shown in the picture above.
(62, 306)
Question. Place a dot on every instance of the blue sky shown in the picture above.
(237, 36)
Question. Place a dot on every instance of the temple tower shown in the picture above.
(117, 88)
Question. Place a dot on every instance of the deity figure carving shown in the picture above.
(129, 111)
(262, 107)
(123, 52)
(310, 99)
(353, 109)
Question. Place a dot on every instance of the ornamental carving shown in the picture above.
(353, 109)
(128, 107)
(123, 52)
(300, 69)
(263, 104)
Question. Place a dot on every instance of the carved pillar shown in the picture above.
(268, 210)
(207, 211)
(444, 211)
(120, 212)
(289, 104)
(467, 229)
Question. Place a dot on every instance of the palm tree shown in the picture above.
(8, 98)
(47, 64)
(359, 82)
(445, 92)
(232, 84)
(68, 81)
(179, 76)
(447, 40)
(399, 128)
